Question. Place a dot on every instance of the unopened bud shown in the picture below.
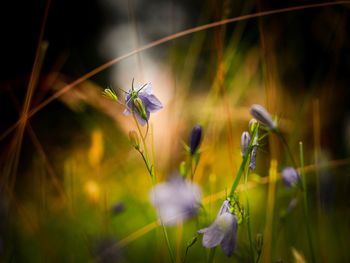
(110, 94)
(262, 116)
(259, 241)
(252, 163)
(252, 125)
(134, 139)
(195, 138)
(245, 139)
(140, 108)
(183, 169)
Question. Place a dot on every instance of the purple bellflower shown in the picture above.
(262, 116)
(223, 231)
(142, 102)
(290, 176)
(195, 138)
(252, 163)
(245, 139)
(176, 200)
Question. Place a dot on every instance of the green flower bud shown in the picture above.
(183, 169)
(110, 94)
(134, 139)
(252, 125)
(140, 108)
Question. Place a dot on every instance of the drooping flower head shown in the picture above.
(142, 102)
(262, 116)
(223, 231)
(290, 176)
(176, 200)
(195, 138)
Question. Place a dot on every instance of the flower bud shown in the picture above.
(252, 163)
(183, 169)
(259, 241)
(252, 125)
(245, 139)
(290, 176)
(134, 139)
(262, 116)
(140, 108)
(195, 138)
(110, 94)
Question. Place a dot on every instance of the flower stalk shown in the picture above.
(305, 203)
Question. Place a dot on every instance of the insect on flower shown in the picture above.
(141, 102)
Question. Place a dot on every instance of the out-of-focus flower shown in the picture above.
(142, 102)
(245, 139)
(290, 176)
(223, 231)
(176, 200)
(262, 116)
(195, 138)
(106, 251)
(117, 208)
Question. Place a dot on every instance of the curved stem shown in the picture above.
(285, 144)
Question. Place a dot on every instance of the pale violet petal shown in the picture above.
(212, 236)
(228, 244)
(147, 88)
(150, 102)
(126, 112)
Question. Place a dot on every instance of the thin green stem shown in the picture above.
(250, 232)
(244, 163)
(285, 144)
(306, 210)
(249, 229)
(150, 170)
(171, 254)
(211, 255)
(258, 258)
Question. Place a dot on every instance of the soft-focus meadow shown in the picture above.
(74, 188)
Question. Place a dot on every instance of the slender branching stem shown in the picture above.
(149, 166)
(305, 203)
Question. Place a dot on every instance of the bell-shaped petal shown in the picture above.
(223, 231)
(149, 102)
